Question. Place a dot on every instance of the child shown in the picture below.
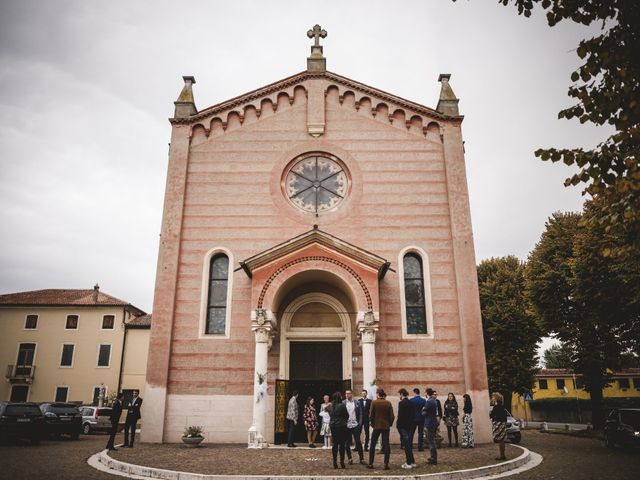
(325, 430)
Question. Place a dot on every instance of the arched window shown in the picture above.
(217, 300)
(414, 297)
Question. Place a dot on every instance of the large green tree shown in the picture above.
(510, 331)
(557, 356)
(606, 90)
(586, 292)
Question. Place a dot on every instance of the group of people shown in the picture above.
(342, 421)
(131, 420)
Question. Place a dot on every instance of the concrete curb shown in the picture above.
(103, 462)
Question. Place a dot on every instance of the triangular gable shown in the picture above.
(287, 85)
(319, 237)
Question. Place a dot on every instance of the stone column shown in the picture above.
(262, 324)
(367, 324)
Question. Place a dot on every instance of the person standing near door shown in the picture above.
(133, 415)
(116, 411)
(381, 418)
(310, 417)
(292, 418)
(365, 405)
(339, 418)
(354, 426)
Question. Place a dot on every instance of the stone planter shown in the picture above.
(192, 441)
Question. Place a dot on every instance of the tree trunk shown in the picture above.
(597, 408)
(507, 400)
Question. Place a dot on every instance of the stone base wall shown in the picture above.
(225, 418)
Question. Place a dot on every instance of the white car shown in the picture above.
(95, 419)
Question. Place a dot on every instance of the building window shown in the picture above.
(71, 323)
(19, 393)
(62, 394)
(414, 298)
(316, 183)
(26, 355)
(31, 322)
(66, 359)
(636, 383)
(560, 383)
(579, 383)
(542, 384)
(623, 383)
(104, 355)
(108, 322)
(218, 289)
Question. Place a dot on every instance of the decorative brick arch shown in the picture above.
(317, 258)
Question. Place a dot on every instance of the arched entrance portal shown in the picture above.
(316, 321)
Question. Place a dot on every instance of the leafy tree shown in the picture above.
(587, 292)
(607, 92)
(558, 356)
(510, 331)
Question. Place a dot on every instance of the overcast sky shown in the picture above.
(86, 88)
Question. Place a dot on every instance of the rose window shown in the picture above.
(316, 184)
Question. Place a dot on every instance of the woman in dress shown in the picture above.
(467, 423)
(325, 430)
(339, 432)
(499, 422)
(310, 417)
(451, 416)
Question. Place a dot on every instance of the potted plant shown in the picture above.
(192, 435)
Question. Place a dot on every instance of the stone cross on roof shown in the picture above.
(317, 33)
(316, 62)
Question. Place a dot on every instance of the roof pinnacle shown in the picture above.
(185, 105)
(448, 102)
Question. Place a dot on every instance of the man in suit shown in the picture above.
(354, 426)
(116, 411)
(406, 424)
(365, 407)
(418, 404)
(133, 415)
(431, 424)
(381, 418)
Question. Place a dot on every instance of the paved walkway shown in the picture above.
(522, 462)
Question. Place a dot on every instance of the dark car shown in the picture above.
(623, 427)
(21, 420)
(62, 419)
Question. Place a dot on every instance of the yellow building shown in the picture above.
(65, 345)
(558, 395)
(136, 350)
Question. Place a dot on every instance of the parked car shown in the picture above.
(95, 419)
(622, 427)
(21, 420)
(62, 419)
(514, 434)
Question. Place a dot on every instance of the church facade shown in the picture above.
(316, 236)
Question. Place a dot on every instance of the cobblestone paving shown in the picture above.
(564, 458)
(231, 459)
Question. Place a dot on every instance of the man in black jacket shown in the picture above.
(406, 420)
(365, 407)
(133, 415)
(116, 411)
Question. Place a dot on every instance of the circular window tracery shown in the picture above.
(316, 183)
